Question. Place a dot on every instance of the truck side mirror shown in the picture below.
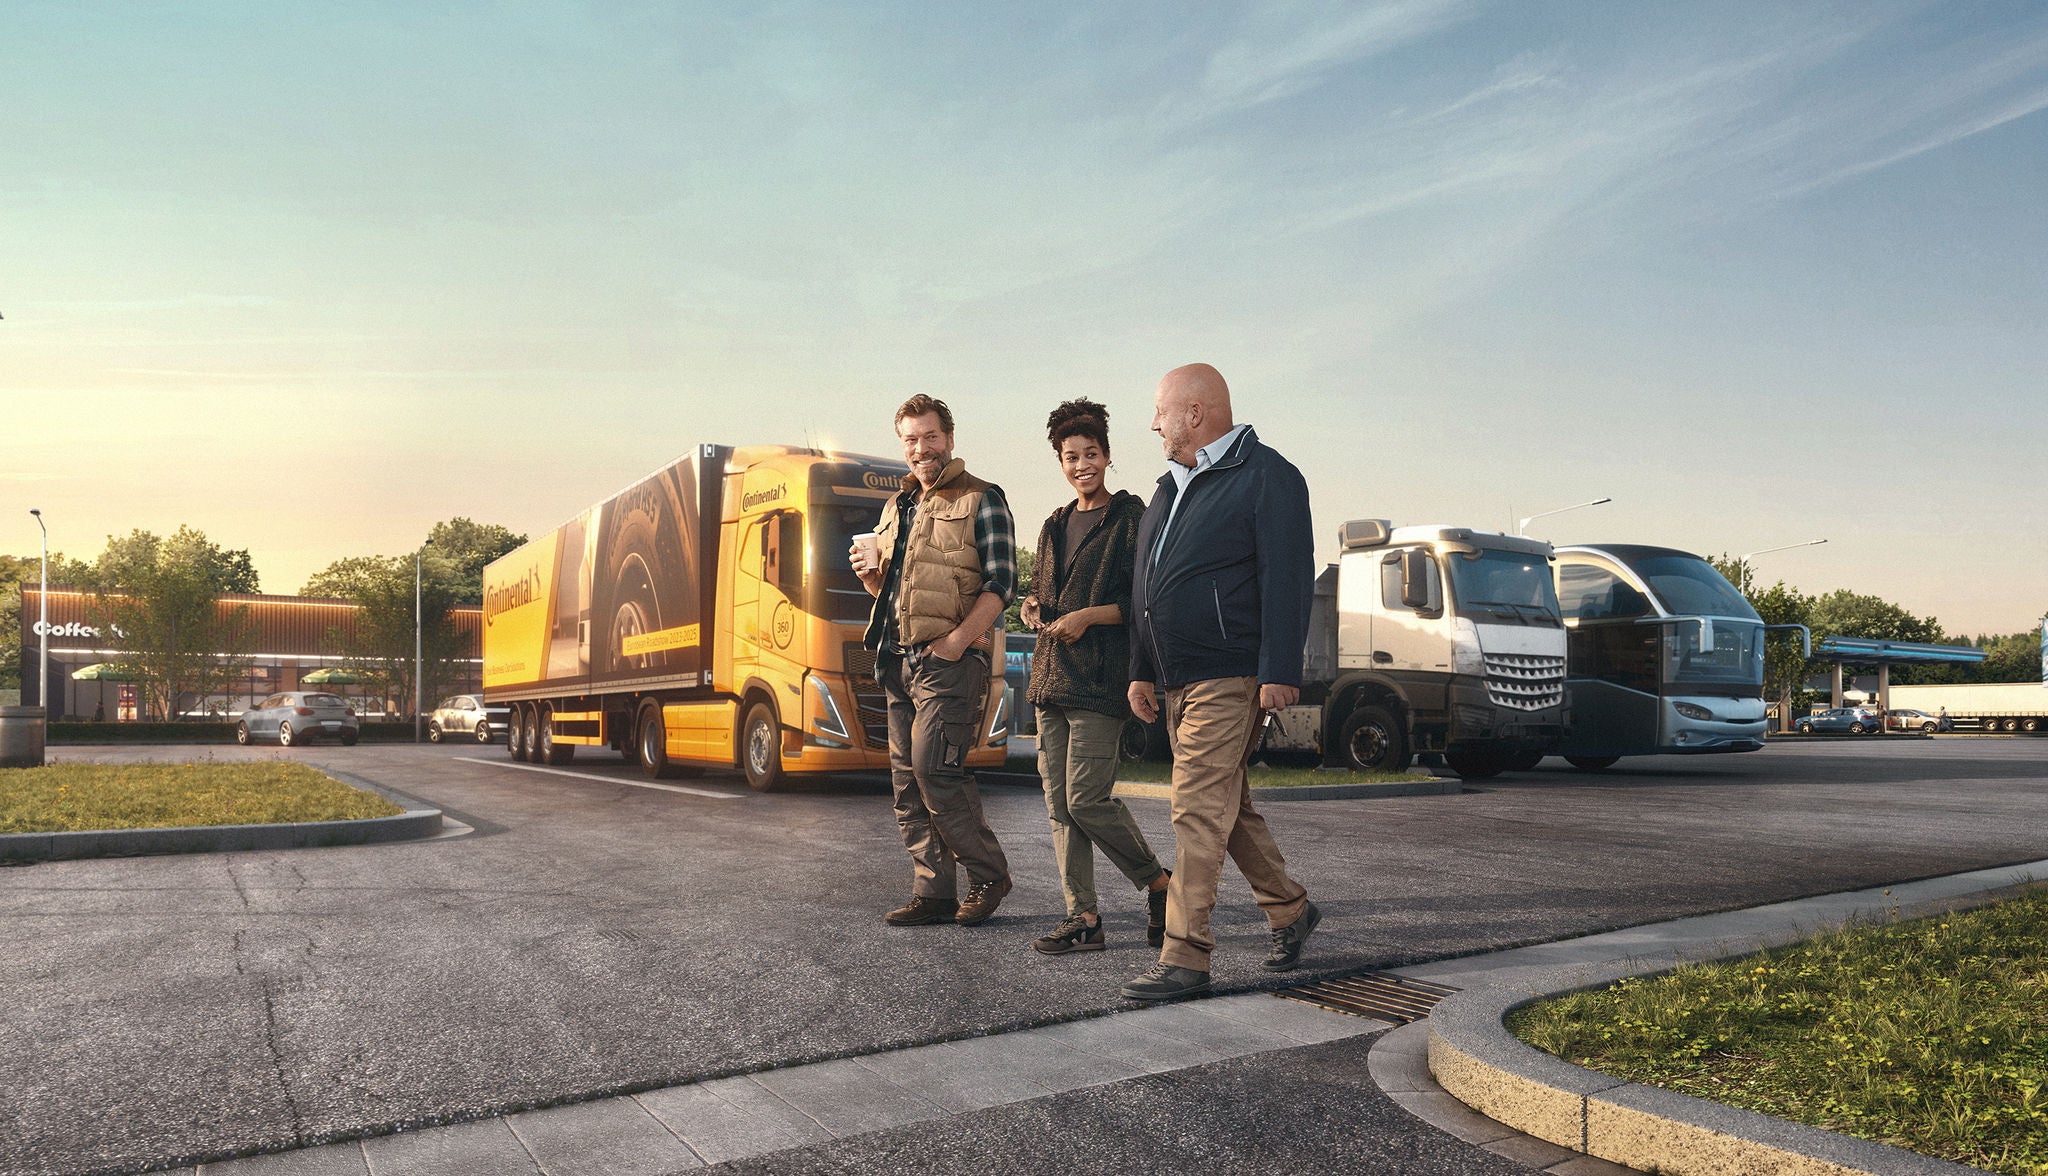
(1415, 579)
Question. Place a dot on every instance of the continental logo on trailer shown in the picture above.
(518, 602)
(875, 481)
(680, 637)
(758, 498)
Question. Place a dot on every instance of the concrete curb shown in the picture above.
(417, 822)
(1476, 1060)
(1419, 786)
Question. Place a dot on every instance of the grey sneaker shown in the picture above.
(1165, 982)
(1288, 940)
(1073, 935)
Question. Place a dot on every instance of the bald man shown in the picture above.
(1225, 576)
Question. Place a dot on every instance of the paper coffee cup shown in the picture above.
(870, 546)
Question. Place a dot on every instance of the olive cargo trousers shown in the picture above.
(934, 711)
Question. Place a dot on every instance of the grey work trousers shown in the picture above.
(934, 711)
(1077, 762)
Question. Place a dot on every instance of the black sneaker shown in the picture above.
(1288, 940)
(981, 901)
(1155, 913)
(921, 911)
(1073, 935)
(1165, 982)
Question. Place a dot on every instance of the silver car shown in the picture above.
(298, 715)
(466, 715)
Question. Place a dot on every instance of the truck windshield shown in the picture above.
(836, 593)
(1689, 586)
(1509, 585)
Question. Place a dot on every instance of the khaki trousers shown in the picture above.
(1077, 763)
(1212, 725)
(934, 718)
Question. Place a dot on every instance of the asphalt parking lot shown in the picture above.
(592, 937)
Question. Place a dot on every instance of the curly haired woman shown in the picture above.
(1080, 603)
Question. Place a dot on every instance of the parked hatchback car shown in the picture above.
(1854, 719)
(298, 715)
(465, 716)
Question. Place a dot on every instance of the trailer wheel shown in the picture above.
(547, 750)
(761, 749)
(1476, 765)
(2030, 725)
(529, 736)
(515, 733)
(651, 743)
(1372, 741)
(1592, 763)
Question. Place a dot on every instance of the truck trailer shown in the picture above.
(1431, 639)
(2018, 708)
(706, 617)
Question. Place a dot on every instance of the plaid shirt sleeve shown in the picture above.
(995, 536)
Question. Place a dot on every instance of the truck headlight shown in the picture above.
(1692, 711)
(1466, 655)
(830, 722)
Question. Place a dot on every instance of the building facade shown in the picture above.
(295, 636)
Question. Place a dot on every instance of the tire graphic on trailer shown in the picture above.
(646, 575)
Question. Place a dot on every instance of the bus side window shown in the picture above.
(1585, 592)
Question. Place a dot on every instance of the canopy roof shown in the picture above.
(1864, 651)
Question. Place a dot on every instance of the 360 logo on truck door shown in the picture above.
(783, 624)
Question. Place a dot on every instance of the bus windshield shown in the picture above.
(1689, 586)
(836, 593)
(1737, 659)
(1510, 585)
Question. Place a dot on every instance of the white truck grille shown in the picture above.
(1524, 681)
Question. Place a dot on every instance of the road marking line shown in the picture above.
(498, 763)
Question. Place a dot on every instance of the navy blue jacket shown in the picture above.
(1229, 596)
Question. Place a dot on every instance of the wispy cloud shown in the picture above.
(1285, 49)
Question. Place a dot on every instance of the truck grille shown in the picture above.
(1524, 681)
(868, 699)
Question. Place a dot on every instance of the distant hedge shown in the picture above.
(65, 731)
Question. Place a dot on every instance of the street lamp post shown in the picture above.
(43, 622)
(1742, 561)
(1523, 526)
(418, 662)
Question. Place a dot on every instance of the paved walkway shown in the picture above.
(694, 1125)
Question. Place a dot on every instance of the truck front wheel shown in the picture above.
(761, 749)
(1372, 741)
(1592, 763)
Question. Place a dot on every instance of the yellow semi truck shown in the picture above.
(706, 617)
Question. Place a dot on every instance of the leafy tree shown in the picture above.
(381, 647)
(157, 602)
(468, 547)
(1012, 621)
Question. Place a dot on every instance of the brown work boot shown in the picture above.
(981, 901)
(922, 910)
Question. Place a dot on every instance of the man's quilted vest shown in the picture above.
(942, 573)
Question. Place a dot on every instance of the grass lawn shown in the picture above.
(1930, 1035)
(1262, 775)
(67, 798)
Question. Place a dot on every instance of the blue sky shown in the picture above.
(313, 277)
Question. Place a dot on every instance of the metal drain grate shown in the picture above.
(1382, 996)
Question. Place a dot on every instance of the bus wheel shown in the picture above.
(1372, 741)
(1475, 765)
(761, 748)
(515, 733)
(651, 744)
(1522, 761)
(1592, 763)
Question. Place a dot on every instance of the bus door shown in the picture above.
(1613, 663)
